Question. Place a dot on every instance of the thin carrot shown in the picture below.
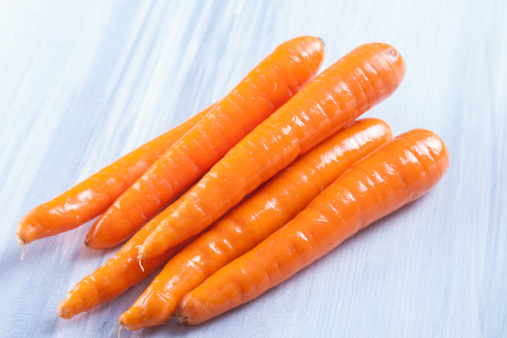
(252, 221)
(257, 96)
(333, 99)
(377, 185)
(114, 277)
(94, 195)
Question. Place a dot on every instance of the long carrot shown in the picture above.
(253, 220)
(114, 277)
(333, 99)
(377, 185)
(257, 96)
(94, 195)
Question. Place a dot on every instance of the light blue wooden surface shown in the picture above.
(83, 82)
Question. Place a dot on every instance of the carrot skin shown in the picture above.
(108, 282)
(373, 187)
(262, 92)
(90, 198)
(253, 220)
(114, 277)
(333, 99)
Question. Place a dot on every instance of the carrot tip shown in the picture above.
(119, 329)
(65, 311)
(86, 244)
(181, 316)
(21, 241)
(61, 313)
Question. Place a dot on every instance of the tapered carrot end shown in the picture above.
(121, 320)
(92, 243)
(161, 240)
(28, 229)
(181, 316)
(124, 322)
(21, 241)
(191, 311)
(24, 231)
(64, 312)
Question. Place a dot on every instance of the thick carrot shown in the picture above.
(253, 220)
(377, 185)
(257, 96)
(94, 195)
(114, 277)
(333, 99)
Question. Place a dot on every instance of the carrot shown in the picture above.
(114, 277)
(256, 97)
(333, 99)
(94, 195)
(377, 185)
(252, 221)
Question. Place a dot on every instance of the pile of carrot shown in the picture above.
(248, 192)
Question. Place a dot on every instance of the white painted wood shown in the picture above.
(83, 82)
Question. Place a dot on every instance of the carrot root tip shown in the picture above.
(25, 248)
(119, 329)
(62, 313)
(140, 262)
(181, 316)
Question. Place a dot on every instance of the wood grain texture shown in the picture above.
(83, 82)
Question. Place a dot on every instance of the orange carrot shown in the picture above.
(114, 277)
(258, 95)
(377, 185)
(333, 99)
(252, 221)
(94, 195)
